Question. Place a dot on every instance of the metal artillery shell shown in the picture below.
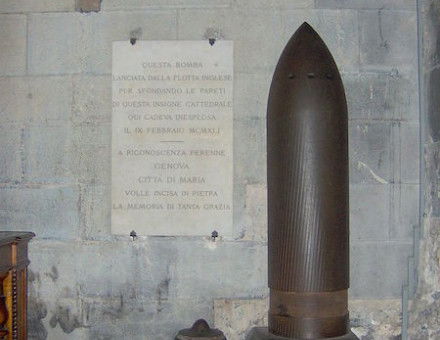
(307, 148)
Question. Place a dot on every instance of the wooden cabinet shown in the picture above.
(13, 284)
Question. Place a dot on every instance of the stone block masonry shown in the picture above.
(55, 152)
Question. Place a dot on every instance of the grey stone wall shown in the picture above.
(55, 119)
(424, 311)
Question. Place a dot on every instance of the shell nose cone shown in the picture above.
(306, 33)
(306, 27)
(307, 53)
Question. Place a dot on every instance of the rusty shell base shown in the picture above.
(262, 333)
(307, 179)
(309, 315)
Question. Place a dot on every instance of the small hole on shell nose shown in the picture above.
(310, 75)
(291, 76)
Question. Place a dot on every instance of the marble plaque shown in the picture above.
(172, 171)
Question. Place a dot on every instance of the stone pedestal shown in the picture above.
(261, 333)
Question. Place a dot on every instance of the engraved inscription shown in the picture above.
(172, 138)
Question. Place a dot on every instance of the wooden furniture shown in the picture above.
(13, 284)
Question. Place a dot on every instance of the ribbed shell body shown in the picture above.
(307, 152)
